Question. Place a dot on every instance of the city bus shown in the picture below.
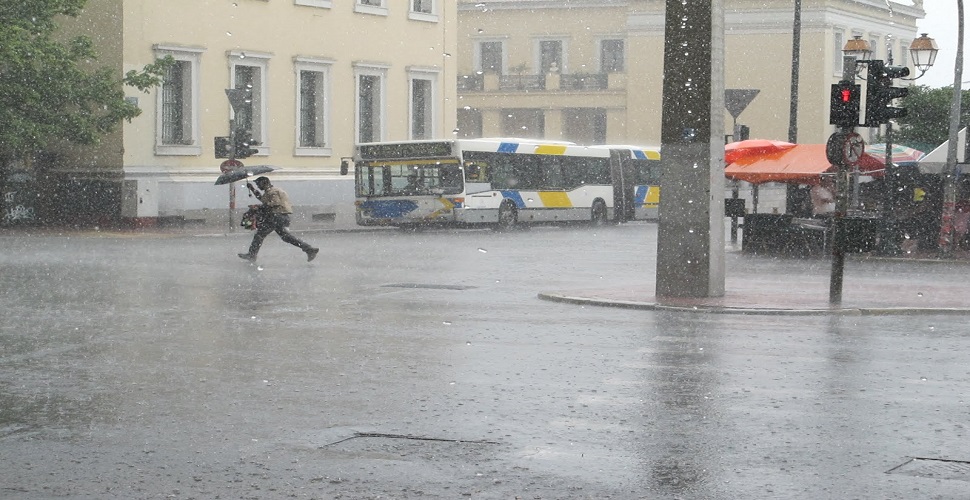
(503, 183)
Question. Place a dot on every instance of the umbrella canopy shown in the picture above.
(901, 154)
(801, 163)
(735, 151)
(238, 174)
(935, 161)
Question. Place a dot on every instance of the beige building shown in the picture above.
(591, 71)
(320, 76)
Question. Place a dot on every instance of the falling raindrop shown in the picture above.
(482, 250)
(228, 33)
(480, 30)
(446, 323)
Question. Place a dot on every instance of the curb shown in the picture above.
(762, 311)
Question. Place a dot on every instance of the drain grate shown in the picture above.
(934, 468)
(428, 285)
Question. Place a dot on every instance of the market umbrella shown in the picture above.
(240, 173)
(901, 154)
(735, 151)
(801, 164)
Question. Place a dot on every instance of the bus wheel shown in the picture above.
(599, 213)
(507, 217)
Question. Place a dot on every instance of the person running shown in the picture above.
(275, 217)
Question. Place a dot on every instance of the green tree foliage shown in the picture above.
(48, 91)
(928, 123)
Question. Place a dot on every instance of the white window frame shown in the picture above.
(537, 53)
(839, 42)
(432, 75)
(431, 17)
(598, 62)
(192, 55)
(324, 4)
(478, 54)
(376, 10)
(261, 95)
(322, 66)
(380, 71)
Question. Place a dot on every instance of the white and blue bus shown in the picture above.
(503, 182)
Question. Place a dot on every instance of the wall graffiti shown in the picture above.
(14, 212)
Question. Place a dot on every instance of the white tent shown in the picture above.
(935, 162)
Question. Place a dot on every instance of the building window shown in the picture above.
(526, 123)
(370, 104)
(470, 124)
(584, 125)
(177, 129)
(249, 74)
(839, 43)
(376, 7)
(611, 56)
(423, 10)
(491, 57)
(551, 56)
(313, 108)
(423, 109)
(422, 6)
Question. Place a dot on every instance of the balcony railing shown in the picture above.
(589, 81)
(471, 83)
(522, 82)
(578, 82)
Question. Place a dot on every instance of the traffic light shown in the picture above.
(844, 105)
(880, 93)
(245, 145)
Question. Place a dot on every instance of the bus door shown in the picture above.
(623, 174)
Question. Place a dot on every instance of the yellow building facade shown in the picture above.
(318, 76)
(591, 71)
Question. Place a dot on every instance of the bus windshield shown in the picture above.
(409, 177)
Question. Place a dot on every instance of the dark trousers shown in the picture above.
(280, 224)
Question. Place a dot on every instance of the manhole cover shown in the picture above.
(428, 285)
(934, 468)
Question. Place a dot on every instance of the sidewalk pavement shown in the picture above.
(750, 290)
(747, 291)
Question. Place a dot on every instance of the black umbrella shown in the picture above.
(240, 173)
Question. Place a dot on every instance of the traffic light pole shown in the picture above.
(889, 244)
(232, 185)
(889, 240)
(843, 149)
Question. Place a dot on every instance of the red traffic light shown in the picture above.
(846, 95)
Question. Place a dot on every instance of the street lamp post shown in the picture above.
(923, 51)
(949, 180)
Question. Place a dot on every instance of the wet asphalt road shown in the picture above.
(422, 365)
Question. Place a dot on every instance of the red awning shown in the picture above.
(801, 164)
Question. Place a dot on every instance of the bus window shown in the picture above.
(550, 172)
(476, 172)
(583, 171)
(647, 172)
(450, 179)
(371, 180)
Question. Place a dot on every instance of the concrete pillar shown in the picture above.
(553, 124)
(690, 251)
(492, 120)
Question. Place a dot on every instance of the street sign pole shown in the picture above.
(844, 149)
